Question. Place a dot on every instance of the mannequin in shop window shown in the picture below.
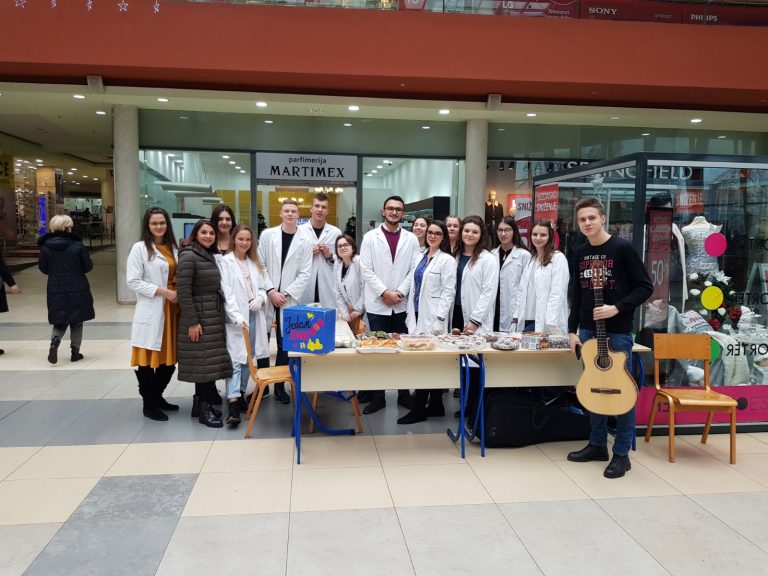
(494, 213)
(695, 234)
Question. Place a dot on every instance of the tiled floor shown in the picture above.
(89, 486)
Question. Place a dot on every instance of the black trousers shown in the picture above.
(389, 323)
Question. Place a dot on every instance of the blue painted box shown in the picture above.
(309, 329)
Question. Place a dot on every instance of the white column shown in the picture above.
(126, 192)
(476, 166)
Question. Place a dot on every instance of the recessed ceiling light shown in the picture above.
(95, 178)
(238, 167)
(78, 96)
(38, 160)
(73, 169)
(388, 162)
(162, 99)
(347, 124)
(501, 129)
(70, 173)
(232, 162)
(374, 171)
(225, 156)
(170, 155)
(425, 127)
(645, 134)
(696, 120)
(380, 166)
(615, 117)
(100, 113)
(531, 114)
(183, 117)
(444, 111)
(84, 176)
(261, 104)
(353, 107)
(242, 171)
(722, 137)
(269, 121)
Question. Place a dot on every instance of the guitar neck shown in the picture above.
(600, 334)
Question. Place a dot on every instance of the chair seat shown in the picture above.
(277, 373)
(698, 397)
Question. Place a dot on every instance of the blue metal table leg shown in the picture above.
(294, 364)
(463, 380)
(320, 425)
(481, 408)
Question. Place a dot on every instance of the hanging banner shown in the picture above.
(307, 168)
(546, 200)
(521, 205)
(658, 251)
(690, 200)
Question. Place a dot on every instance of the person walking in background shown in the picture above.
(223, 220)
(151, 273)
(543, 304)
(7, 278)
(287, 257)
(386, 260)
(322, 237)
(513, 257)
(430, 300)
(202, 347)
(419, 229)
(65, 261)
(242, 281)
(350, 301)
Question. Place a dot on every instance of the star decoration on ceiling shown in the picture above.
(89, 5)
(157, 6)
(21, 3)
(53, 3)
(123, 5)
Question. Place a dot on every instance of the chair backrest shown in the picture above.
(249, 352)
(681, 347)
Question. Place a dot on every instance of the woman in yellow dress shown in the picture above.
(151, 273)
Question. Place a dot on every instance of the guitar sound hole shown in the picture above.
(603, 362)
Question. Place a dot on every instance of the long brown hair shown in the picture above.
(517, 239)
(549, 247)
(252, 253)
(146, 234)
(482, 244)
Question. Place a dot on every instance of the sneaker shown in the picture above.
(281, 395)
(618, 467)
(589, 453)
(233, 417)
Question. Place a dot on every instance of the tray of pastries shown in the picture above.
(503, 340)
(378, 343)
(461, 342)
(417, 342)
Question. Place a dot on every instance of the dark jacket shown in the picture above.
(198, 285)
(66, 262)
(7, 278)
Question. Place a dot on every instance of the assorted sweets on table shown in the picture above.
(458, 341)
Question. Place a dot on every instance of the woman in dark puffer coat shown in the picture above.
(70, 303)
(202, 348)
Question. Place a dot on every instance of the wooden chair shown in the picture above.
(262, 377)
(689, 399)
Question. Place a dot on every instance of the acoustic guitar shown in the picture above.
(606, 387)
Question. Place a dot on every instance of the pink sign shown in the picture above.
(753, 406)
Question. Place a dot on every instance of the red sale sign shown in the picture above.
(659, 230)
(546, 201)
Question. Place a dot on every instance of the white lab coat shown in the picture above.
(479, 284)
(236, 305)
(322, 270)
(381, 273)
(509, 284)
(349, 291)
(551, 286)
(291, 278)
(145, 276)
(438, 289)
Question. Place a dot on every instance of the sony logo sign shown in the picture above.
(608, 11)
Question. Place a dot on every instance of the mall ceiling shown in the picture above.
(46, 121)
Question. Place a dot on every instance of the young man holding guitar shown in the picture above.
(622, 286)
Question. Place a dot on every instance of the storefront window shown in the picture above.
(189, 185)
(701, 223)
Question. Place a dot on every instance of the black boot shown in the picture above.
(233, 417)
(208, 417)
(618, 467)
(280, 394)
(589, 453)
(163, 375)
(195, 406)
(242, 403)
(216, 399)
(75, 356)
(53, 352)
(150, 410)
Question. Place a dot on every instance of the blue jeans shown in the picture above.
(239, 381)
(625, 424)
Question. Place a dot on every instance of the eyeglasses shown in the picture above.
(393, 209)
(434, 234)
(342, 245)
(503, 230)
